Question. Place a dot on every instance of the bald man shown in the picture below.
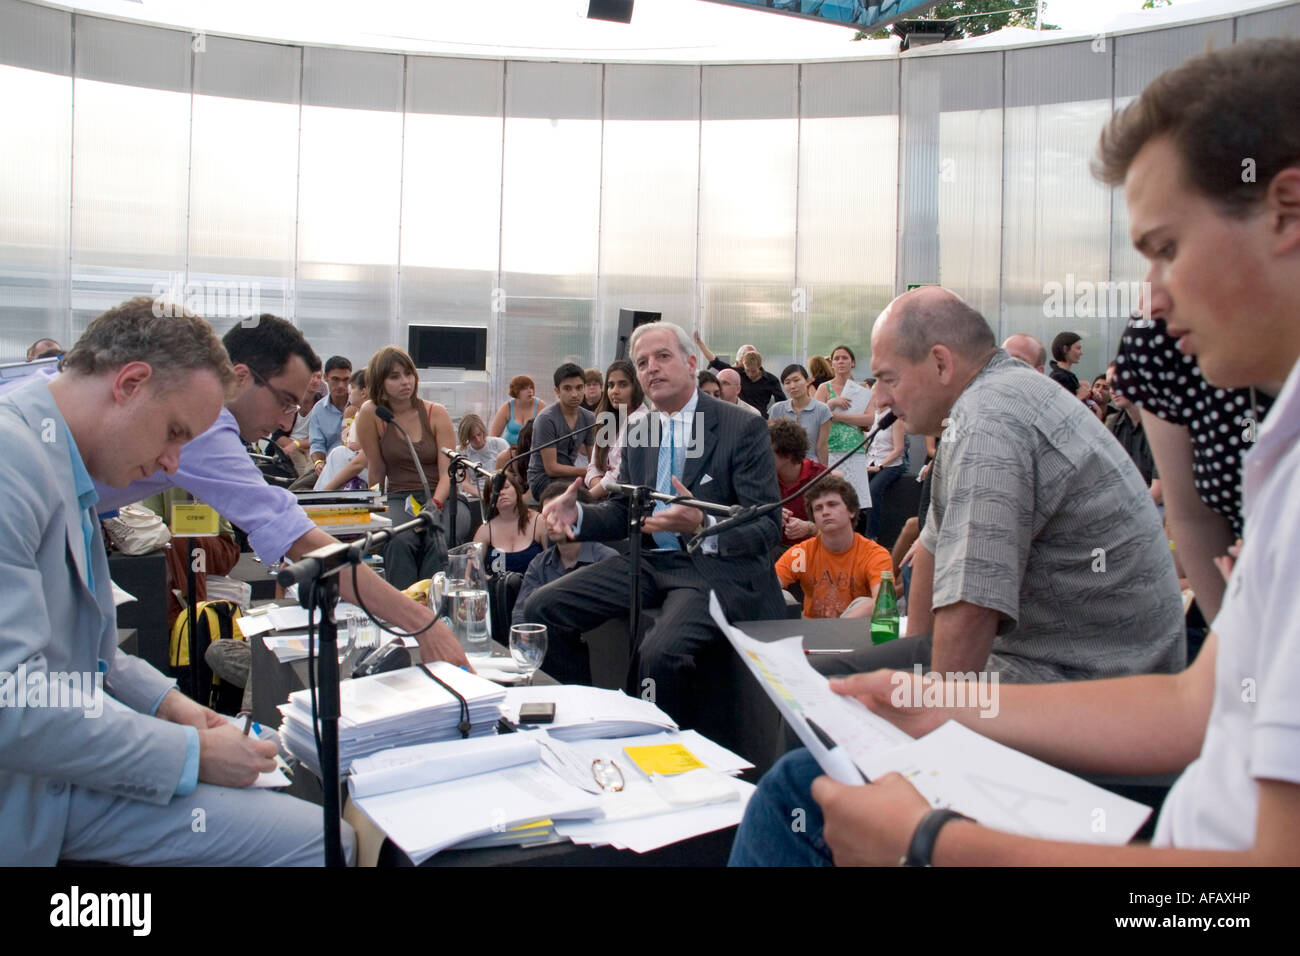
(1029, 350)
(1042, 557)
(729, 381)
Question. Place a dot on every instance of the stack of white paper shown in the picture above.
(394, 709)
(424, 820)
(583, 713)
(401, 768)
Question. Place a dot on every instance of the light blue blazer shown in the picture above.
(51, 621)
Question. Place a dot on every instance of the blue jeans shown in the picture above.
(783, 823)
(880, 481)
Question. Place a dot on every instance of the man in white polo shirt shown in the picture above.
(1225, 275)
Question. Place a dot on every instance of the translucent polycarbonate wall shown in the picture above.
(1055, 215)
(359, 193)
(35, 176)
(848, 202)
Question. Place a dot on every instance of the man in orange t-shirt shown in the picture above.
(838, 570)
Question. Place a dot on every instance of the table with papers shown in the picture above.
(543, 786)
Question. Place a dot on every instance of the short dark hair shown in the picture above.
(557, 488)
(832, 484)
(794, 367)
(1217, 109)
(266, 343)
(1062, 344)
(789, 440)
(707, 376)
(567, 371)
(336, 362)
(1099, 378)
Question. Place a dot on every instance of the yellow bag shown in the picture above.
(215, 619)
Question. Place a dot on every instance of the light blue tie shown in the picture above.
(664, 484)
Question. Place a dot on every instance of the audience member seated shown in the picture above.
(729, 382)
(393, 383)
(793, 470)
(886, 462)
(709, 384)
(592, 389)
(521, 409)
(802, 407)
(345, 466)
(1067, 350)
(1103, 395)
(1126, 425)
(622, 403)
(479, 447)
(1236, 800)
(1029, 350)
(516, 457)
(296, 443)
(1025, 574)
(513, 532)
(565, 419)
(44, 348)
(848, 402)
(325, 421)
(560, 557)
(838, 570)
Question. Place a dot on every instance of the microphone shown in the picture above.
(754, 512)
(385, 414)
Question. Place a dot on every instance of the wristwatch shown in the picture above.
(921, 848)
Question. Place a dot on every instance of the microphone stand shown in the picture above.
(317, 578)
(641, 499)
(745, 515)
(458, 465)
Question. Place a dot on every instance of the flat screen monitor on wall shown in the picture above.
(448, 346)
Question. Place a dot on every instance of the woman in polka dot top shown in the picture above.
(1198, 435)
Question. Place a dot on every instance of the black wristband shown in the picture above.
(921, 848)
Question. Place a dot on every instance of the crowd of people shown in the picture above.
(1041, 550)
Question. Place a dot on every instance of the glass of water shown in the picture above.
(469, 615)
(528, 646)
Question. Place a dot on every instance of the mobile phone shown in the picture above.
(537, 713)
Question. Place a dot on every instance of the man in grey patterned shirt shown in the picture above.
(1042, 557)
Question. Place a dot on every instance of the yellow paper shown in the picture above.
(663, 758)
(195, 519)
(413, 506)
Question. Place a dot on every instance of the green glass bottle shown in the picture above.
(884, 619)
